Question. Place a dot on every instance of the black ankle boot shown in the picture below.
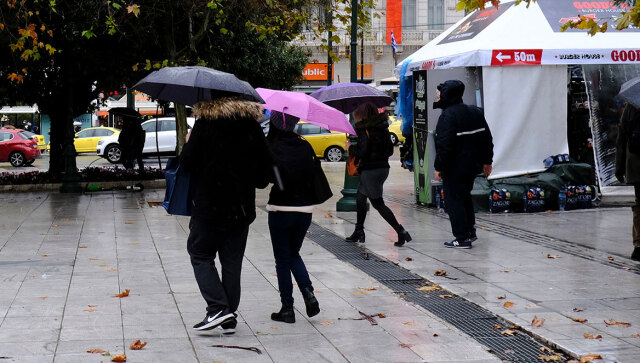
(403, 236)
(285, 314)
(310, 301)
(636, 254)
(356, 236)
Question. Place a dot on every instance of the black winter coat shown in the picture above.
(463, 140)
(228, 158)
(295, 160)
(374, 143)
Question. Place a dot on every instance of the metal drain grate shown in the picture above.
(470, 318)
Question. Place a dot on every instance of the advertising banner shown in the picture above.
(560, 12)
(475, 24)
(316, 72)
(420, 136)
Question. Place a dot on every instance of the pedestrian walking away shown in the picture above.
(372, 154)
(628, 165)
(464, 149)
(223, 199)
(131, 139)
(290, 206)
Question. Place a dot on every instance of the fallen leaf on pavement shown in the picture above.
(610, 258)
(536, 323)
(44, 297)
(445, 296)
(326, 323)
(408, 259)
(95, 351)
(551, 358)
(119, 358)
(531, 305)
(359, 292)
(440, 273)
(128, 222)
(626, 268)
(552, 256)
(122, 294)
(405, 345)
(546, 350)
(370, 288)
(381, 316)
(82, 246)
(137, 345)
(635, 335)
(589, 358)
(45, 255)
(329, 215)
(92, 306)
(617, 323)
(578, 320)
(508, 304)
(90, 310)
(592, 336)
(112, 269)
(429, 288)
(497, 326)
(485, 228)
(435, 334)
(508, 332)
(54, 225)
(502, 297)
(506, 271)
(92, 258)
(103, 266)
(408, 323)
(577, 310)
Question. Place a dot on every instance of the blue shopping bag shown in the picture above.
(177, 198)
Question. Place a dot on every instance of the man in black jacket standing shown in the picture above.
(464, 148)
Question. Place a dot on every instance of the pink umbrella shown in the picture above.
(306, 108)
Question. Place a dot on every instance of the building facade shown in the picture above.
(414, 23)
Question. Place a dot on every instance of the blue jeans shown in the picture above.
(288, 230)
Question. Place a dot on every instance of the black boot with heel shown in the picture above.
(403, 236)
(356, 236)
(285, 315)
(310, 301)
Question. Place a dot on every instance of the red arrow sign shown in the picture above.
(511, 57)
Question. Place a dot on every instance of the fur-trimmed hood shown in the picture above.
(227, 107)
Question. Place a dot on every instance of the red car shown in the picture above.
(17, 148)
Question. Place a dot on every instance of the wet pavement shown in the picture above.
(63, 257)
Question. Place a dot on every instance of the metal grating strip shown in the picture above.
(470, 318)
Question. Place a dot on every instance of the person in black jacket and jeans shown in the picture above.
(228, 157)
(464, 148)
(290, 206)
(372, 153)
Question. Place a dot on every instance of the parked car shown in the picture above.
(326, 144)
(109, 148)
(39, 139)
(395, 131)
(86, 140)
(17, 148)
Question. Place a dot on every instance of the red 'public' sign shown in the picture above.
(516, 57)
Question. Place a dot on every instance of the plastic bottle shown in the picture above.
(562, 198)
(438, 200)
(524, 200)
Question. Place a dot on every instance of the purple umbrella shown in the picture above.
(306, 108)
(346, 97)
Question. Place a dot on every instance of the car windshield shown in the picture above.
(22, 135)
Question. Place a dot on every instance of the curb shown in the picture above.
(55, 187)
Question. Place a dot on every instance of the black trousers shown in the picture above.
(203, 244)
(459, 206)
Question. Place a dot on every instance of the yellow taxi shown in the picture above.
(39, 138)
(86, 141)
(394, 130)
(326, 144)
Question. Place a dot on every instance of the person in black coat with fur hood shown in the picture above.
(464, 148)
(372, 155)
(228, 158)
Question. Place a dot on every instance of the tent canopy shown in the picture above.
(517, 35)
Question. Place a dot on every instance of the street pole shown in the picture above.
(348, 202)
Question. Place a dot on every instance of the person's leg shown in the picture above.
(468, 207)
(280, 224)
(454, 206)
(385, 212)
(635, 255)
(297, 235)
(361, 214)
(202, 246)
(140, 161)
(231, 253)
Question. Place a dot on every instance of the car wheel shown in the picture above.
(394, 138)
(113, 154)
(334, 154)
(16, 158)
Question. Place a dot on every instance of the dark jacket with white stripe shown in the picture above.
(463, 140)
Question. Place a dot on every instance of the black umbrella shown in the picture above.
(630, 91)
(346, 97)
(189, 85)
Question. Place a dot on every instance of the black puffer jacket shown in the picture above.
(374, 143)
(463, 140)
(228, 158)
(295, 160)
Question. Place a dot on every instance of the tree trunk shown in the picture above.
(181, 128)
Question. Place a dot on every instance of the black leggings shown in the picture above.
(378, 204)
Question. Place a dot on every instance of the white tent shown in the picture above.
(523, 56)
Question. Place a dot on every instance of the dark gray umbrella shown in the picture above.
(189, 85)
(630, 91)
(346, 97)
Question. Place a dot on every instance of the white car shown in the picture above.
(109, 148)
